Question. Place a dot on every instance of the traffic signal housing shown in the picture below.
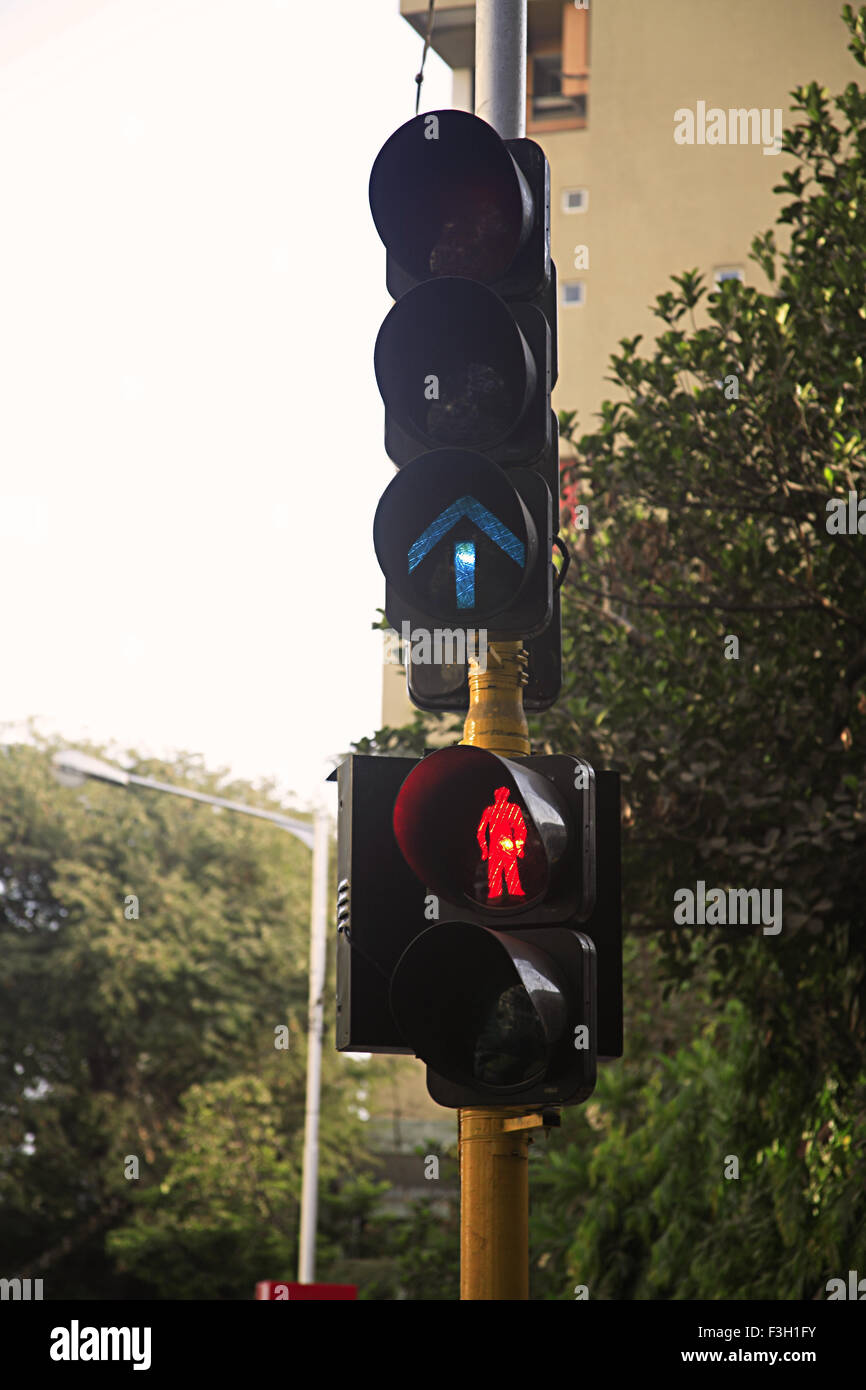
(449, 197)
(479, 921)
(500, 1017)
(462, 543)
(465, 362)
(498, 839)
(444, 685)
(457, 366)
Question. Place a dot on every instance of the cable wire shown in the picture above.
(419, 76)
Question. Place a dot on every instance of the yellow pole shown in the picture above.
(494, 1141)
(496, 719)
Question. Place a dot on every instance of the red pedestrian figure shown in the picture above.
(507, 830)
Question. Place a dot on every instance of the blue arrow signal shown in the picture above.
(464, 551)
(485, 520)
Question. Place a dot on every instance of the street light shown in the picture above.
(72, 769)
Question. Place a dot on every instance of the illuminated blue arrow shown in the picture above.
(464, 573)
(464, 551)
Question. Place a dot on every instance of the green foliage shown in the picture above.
(419, 1254)
(708, 518)
(225, 1212)
(410, 741)
(428, 1253)
(635, 1202)
(153, 1037)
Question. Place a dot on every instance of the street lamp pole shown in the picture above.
(72, 768)
(316, 1007)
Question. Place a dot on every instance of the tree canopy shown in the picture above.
(714, 486)
(151, 948)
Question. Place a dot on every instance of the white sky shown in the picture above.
(190, 430)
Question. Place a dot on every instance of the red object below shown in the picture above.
(270, 1288)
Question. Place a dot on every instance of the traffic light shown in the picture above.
(478, 901)
(465, 362)
(479, 921)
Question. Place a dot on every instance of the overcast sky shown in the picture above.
(190, 431)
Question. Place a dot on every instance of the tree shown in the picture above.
(710, 484)
(150, 949)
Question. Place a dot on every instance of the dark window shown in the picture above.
(547, 97)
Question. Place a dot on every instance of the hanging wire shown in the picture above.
(419, 76)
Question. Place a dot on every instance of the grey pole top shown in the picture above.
(500, 66)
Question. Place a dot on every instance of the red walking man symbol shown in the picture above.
(507, 831)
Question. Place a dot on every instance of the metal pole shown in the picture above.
(494, 1141)
(500, 66)
(318, 945)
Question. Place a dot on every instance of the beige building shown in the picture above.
(656, 164)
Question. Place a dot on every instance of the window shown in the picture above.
(557, 72)
(575, 199)
(547, 96)
(573, 292)
(727, 272)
